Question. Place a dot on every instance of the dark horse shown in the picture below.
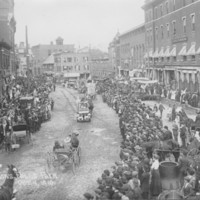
(6, 190)
(163, 146)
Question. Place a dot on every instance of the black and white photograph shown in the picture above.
(99, 99)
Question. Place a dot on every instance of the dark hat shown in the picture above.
(88, 196)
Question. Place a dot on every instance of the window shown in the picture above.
(184, 2)
(162, 31)
(193, 57)
(174, 4)
(147, 36)
(150, 35)
(193, 21)
(174, 58)
(156, 31)
(184, 24)
(184, 58)
(156, 12)
(167, 7)
(69, 59)
(174, 27)
(167, 26)
(161, 10)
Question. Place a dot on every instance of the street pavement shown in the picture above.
(100, 145)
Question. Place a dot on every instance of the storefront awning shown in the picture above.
(192, 50)
(156, 54)
(173, 52)
(183, 51)
(167, 52)
(161, 54)
(198, 51)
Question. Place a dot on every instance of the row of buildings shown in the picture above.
(63, 59)
(8, 60)
(166, 47)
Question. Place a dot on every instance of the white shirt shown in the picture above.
(155, 165)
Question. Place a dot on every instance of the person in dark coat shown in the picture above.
(155, 182)
(173, 113)
(184, 165)
(183, 132)
(145, 182)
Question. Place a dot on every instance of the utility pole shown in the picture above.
(27, 59)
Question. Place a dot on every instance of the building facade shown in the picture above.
(8, 62)
(114, 54)
(172, 29)
(101, 68)
(132, 50)
(67, 63)
(42, 51)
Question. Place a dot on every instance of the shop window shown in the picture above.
(184, 58)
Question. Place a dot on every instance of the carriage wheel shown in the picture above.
(73, 166)
(79, 155)
(75, 158)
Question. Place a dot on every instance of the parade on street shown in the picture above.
(99, 100)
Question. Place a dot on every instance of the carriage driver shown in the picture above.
(74, 140)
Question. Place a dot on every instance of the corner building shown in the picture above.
(172, 30)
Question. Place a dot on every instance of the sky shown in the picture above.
(81, 22)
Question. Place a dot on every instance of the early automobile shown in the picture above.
(83, 112)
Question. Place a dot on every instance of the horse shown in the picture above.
(6, 190)
(166, 145)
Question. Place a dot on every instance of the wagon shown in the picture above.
(64, 158)
(26, 102)
(20, 133)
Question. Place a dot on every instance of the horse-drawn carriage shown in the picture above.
(64, 158)
(26, 102)
(20, 133)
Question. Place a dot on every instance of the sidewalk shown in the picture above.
(191, 113)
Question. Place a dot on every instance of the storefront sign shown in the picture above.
(179, 39)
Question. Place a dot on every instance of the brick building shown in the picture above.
(7, 48)
(114, 53)
(73, 63)
(173, 43)
(42, 51)
(132, 50)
